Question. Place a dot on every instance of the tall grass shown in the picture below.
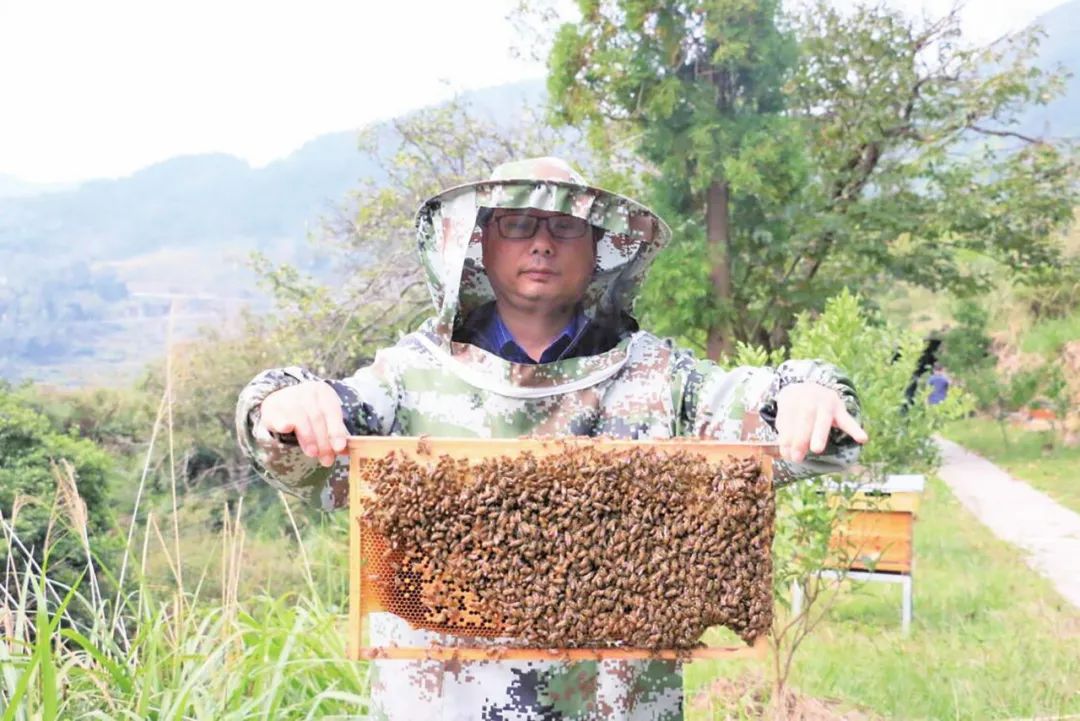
(171, 650)
(170, 654)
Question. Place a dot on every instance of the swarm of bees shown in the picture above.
(583, 548)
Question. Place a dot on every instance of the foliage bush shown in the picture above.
(966, 353)
(881, 360)
(116, 419)
(966, 346)
(1053, 291)
(32, 450)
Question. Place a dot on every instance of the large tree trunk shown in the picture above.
(718, 237)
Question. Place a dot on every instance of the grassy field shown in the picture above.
(990, 639)
(1024, 454)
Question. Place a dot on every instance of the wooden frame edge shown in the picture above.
(354, 646)
(473, 653)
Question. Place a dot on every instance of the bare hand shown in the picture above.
(805, 413)
(311, 410)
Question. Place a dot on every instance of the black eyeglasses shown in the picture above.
(522, 226)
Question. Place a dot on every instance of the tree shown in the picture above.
(796, 155)
(700, 82)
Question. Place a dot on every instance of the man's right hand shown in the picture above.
(312, 411)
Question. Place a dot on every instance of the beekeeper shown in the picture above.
(533, 275)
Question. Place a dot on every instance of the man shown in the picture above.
(533, 274)
(939, 385)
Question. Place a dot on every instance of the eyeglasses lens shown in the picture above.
(520, 227)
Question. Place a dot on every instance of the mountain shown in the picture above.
(1061, 118)
(88, 274)
(197, 199)
(205, 200)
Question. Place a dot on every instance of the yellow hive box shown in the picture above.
(878, 531)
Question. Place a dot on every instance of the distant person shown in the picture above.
(939, 385)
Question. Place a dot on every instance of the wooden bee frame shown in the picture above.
(363, 601)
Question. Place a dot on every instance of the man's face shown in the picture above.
(538, 259)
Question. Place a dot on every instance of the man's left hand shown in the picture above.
(805, 413)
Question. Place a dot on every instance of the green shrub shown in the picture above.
(32, 452)
(1050, 291)
(965, 348)
(116, 419)
(881, 359)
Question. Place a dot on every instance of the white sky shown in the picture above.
(101, 88)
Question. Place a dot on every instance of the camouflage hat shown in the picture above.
(448, 236)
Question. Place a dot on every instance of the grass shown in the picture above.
(990, 639)
(1025, 456)
(1048, 337)
(173, 654)
(264, 573)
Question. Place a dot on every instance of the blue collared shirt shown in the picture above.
(496, 338)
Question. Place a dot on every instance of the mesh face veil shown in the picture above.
(450, 229)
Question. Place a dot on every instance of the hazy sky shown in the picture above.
(102, 88)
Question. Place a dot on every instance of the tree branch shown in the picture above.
(1006, 134)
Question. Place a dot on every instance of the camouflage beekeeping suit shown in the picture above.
(643, 387)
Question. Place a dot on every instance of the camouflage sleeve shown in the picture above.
(740, 405)
(368, 403)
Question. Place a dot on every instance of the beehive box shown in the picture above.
(878, 531)
(413, 566)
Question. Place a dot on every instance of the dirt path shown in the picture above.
(1048, 533)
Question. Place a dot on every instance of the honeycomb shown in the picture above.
(565, 545)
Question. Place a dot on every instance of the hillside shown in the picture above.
(88, 274)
